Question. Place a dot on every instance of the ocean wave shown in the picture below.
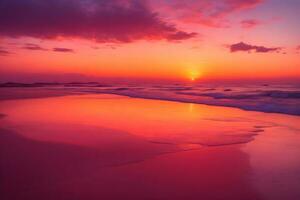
(265, 98)
(273, 101)
(247, 95)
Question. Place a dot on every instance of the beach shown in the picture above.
(149, 100)
(71, 145)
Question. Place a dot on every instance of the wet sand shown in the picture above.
(115, 147)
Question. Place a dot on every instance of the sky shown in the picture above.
(69, 40)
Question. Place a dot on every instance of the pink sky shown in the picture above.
(139, 39)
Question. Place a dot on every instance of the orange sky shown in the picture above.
(268, 48)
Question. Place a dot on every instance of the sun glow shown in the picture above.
(194, 74)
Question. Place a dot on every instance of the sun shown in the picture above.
(194, 75)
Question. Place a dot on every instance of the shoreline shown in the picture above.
(48, 92)
(196, 102)
(67, 147)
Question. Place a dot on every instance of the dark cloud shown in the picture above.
(249, 48)
(98, 20)
(180, 35)
(250, 23)
(64, 50)
(34, 47)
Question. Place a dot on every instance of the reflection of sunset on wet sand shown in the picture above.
(176, 150)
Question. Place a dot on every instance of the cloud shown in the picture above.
(250, 23)
(98, 20)
(249, 48)
(298, 49)
(64, 50)
(4, 52)
(205, 12)
(112, 46)
(180, 35)
(33, 47)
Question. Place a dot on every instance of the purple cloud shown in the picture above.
(250, 23)
(34, 47)
(64, 50)
(180, 35)
(98, 20)
(249, 48)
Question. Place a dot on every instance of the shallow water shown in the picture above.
(155, 121)
(112, 147)
(275, 98)
(271, 98)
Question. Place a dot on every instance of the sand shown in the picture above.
(115, 147)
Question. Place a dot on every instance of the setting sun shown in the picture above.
(194, 75)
